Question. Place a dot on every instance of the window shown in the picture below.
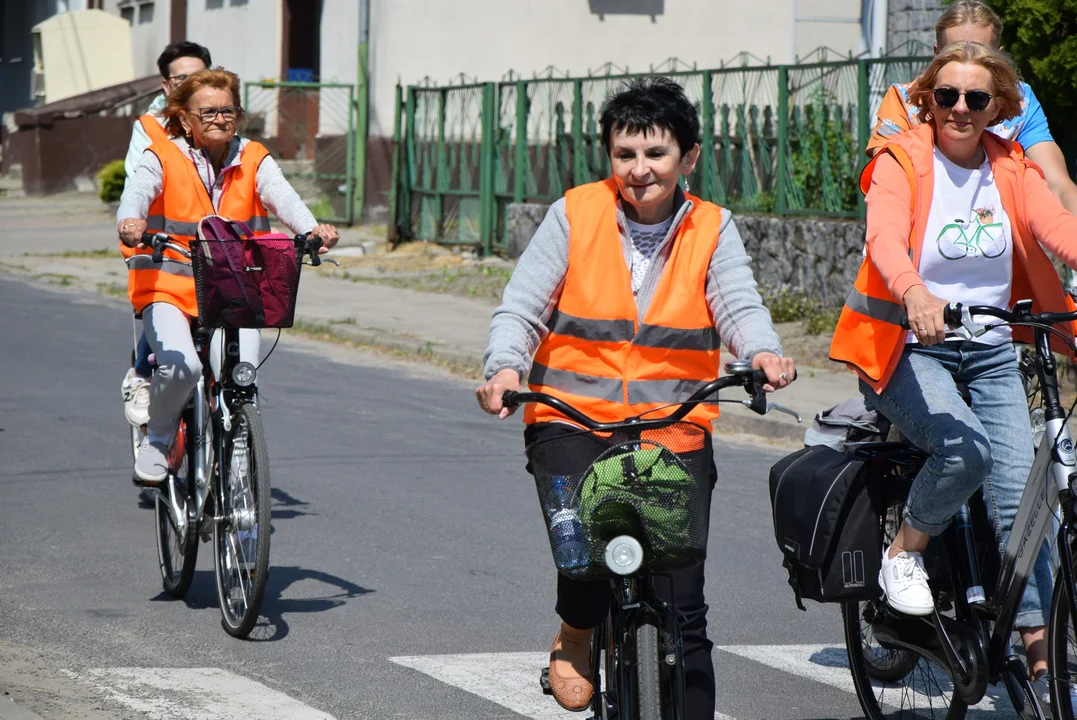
(214, 4)
(145, 14)
(128, 14)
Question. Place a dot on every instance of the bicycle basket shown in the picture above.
(249, 283)
(650, 481)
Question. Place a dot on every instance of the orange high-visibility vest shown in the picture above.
(177, 211)
(599, 356)
(869, 337)
(153, 128)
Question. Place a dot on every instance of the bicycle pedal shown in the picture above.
(139, 482)
(544, 681)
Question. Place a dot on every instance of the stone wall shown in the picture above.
(820, 257)
(912, 20)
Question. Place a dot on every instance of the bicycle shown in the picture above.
(967, 638)
(639, 646)
(218, 485)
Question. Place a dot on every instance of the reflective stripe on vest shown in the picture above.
(167, 265)
(177, 211)
(886, 311)
(599, 355)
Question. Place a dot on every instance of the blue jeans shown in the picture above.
(988, 444)
(142, 357)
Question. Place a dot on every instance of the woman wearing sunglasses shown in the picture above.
(204, 168)
(955, 214)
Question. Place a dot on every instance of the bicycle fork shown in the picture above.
(182, 514)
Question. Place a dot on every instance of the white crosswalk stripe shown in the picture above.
(194, 694)
(508, 679)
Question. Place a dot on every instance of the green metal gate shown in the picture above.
(310, 130)
(776, 139)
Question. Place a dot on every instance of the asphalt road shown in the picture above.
(405, 527)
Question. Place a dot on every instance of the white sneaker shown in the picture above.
(151, 465)
(904, 583)
(136, 398)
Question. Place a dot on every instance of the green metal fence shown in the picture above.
(780, 139)
(310, 130)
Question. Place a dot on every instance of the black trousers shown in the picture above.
(585, 604)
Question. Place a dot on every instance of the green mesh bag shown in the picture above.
(643, 493)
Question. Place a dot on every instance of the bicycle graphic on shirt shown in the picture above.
(988, 240)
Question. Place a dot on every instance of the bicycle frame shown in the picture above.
(211, 421)
(1049, 486)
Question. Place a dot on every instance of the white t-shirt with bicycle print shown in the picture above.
(968, 246)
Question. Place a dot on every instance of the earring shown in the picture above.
(687, 187)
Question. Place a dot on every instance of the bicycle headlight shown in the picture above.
(624, 555)
(244, 374)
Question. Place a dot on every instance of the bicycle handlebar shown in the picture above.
(740, 373)
(957, 315)
(159, 242)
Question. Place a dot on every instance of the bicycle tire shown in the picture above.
(246, 501)
(648, 671)
(1060, 644)
(176, 560)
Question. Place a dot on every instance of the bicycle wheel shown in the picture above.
(176, 558)
(648, 676)
(893, 683)
(1062, 651)
(241, 535)
(923, 691)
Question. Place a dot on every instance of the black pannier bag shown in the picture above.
(827, 516)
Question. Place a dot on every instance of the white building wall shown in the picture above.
(413, 39)
(150, 30)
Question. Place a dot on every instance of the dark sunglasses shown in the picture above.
(976, 100)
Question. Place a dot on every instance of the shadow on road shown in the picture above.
(272, 625)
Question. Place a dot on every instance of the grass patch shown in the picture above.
(99, 253)
(475, 281)
(822, 321)
(64, 280)
(112, 289)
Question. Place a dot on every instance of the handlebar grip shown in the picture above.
(509, 398)
(313, 245)
(951, 314)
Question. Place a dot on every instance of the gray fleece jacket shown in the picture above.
(273, 189)
(520, 323)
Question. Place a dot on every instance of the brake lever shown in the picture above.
(320, 261)
(765, 407)
(970, 326)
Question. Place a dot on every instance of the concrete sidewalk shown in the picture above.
(71, 239)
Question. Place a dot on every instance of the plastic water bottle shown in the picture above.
(566, 535)
(560, 494)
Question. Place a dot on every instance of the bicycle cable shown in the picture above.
(270, 351)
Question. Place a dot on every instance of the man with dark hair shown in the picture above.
(176, 63)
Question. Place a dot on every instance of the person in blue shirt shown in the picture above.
(974, 21)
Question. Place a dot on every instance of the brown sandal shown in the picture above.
(571, 691)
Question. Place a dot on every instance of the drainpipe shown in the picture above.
(362, 88)
(880, 12)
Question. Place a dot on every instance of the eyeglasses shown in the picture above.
(178, 79)
(208, 115)
(976, 100)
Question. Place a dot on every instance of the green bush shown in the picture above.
(786, 304)
(822, 321)
(110, 181)
(1042, 37)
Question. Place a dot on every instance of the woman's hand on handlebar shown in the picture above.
(131, 230)
(780, 370)
(328, 235)
(925, 315)
(489, 394)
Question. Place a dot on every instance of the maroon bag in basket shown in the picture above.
(244, 281)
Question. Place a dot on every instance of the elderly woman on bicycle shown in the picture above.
(627, 281)
(956, 214)
(205, 168)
